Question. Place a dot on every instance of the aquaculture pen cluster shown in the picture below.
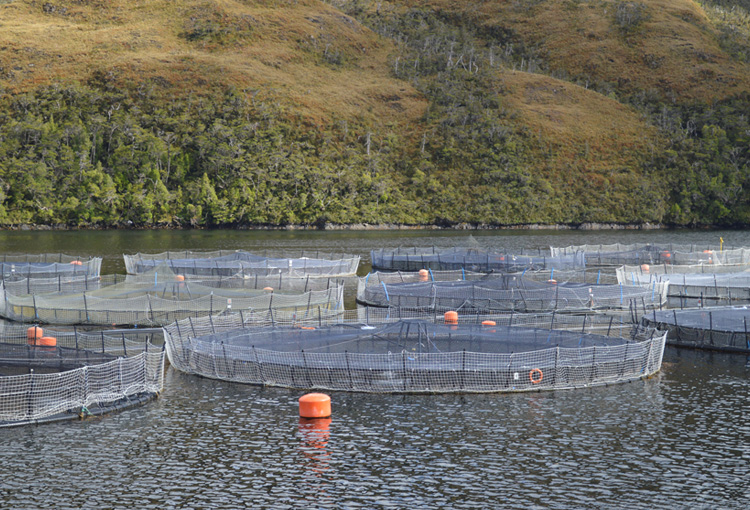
(427, 320)
(54, 375)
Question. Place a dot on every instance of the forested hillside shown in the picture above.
(239, 112)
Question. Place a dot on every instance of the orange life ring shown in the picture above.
(536, 371)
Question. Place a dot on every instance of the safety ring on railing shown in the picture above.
(532, 375)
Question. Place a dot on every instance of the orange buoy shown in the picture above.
(268, 289)
(44, 341)
(76, 262)
(553, 282)
(179, 278)
(47, 341)
(424, 275)
(451, 317)
(489, 323)
(645, 268)
(315, 405)
(33, 333)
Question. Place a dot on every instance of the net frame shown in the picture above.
(647, 253)
(497, 292)
(469, 259)
(48, 265)
(160, 298)
(240, 263)
(462, 371)
(716, 328)
(693, 288)
(20, 286)
(112, 370)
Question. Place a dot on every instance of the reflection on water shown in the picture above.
(316, 459)
(677, 440)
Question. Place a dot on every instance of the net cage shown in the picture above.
(51, 375)
(716, 328)
(412, 356)
(76, 284)
(469, 259)
(582, 275)
(161, 297)
(48, 265)
(497, 292)
(693, 289)
(67, 284)
(636, 254)
(242, 263)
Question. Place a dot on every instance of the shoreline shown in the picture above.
(369, 226)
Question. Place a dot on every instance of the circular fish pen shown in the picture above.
(411, 356)
(48, 375)
(719, 328)
(161, 297)
(710, 285)
(504, 292)
(447, 259)
(666, 253)
(242, 264)
(48, 265)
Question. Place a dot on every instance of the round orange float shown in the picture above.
(451, 317)
(315, 405)
(47, 341)
(33, 333)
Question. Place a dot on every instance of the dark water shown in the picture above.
(678, 440)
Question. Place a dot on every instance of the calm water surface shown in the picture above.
(678, 440)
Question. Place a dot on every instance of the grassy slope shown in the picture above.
(324, 67)
(316, 61)
(588, 143)
(673, 49)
